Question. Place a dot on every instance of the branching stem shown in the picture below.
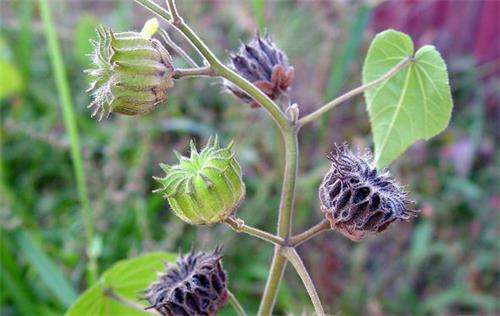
(346, 96)
(284, 221)
(317, 229)
(239, 226)
(291, 254)
(177, 49)
(219, 68)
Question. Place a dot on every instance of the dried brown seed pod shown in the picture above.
(357, 199)
(195, 286)
(264, 65)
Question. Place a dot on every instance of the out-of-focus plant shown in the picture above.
(407, 97)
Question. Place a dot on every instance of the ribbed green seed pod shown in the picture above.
(132, 73)
(205, 188)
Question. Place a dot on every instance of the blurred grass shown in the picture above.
(71, 127)
(442, 263)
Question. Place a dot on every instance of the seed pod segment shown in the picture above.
(205, 188)
(357, 199)
(262, 63)
(132, 73)
(195, 286)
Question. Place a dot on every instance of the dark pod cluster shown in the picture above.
(264, 65)
(356, 199)
(195, 286)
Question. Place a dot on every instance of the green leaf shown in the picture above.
(127, 278)
(414, 104)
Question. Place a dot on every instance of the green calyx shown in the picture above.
(206, 187)
(132, 73)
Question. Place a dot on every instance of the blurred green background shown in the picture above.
(444, 262)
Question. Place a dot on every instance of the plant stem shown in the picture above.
(288, 132)
(284, 220)
(177, 49)
(153, 7)
(310, 233)
(71, 127)
(236, 304)
(191, 72)
(239, 226)
(291, 254)
(125, 301)
(220, 69)
(346, 96)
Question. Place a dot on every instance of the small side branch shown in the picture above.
(176, 18)
(176, 48)
(317, 229)
(239, 226)
(291, 254)
(193, 72)
(346, 96)
(236, 304)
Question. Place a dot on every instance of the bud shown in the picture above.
(357, 200)
(196, 285)
(132, 73)
(264, 65)
(205, 188)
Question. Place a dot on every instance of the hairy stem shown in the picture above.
(193, 72)
(220, 69)
(288, 131)
(125, 301)
(346, 96)
(240, 311)
(239, 226)
(310, 233)
(284, 221)
(291, 254)
(177, 49)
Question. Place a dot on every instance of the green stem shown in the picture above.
(236, 304)
(346, 96)
(291, 254)
(219, 68)
(193, 72)
(284, 221)
(288, 131)
(310, 233)
(70, 125)
(177, 49)
(239, 226)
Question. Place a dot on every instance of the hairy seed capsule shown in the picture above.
(132, 73)
(356, 199)
(205, 188)
(196, 286)
(264, 65)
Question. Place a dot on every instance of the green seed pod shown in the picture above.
(205, 188)
(132, 73)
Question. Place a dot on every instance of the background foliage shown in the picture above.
(444, 262)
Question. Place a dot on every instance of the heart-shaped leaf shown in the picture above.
(127, 279)
(413, 104)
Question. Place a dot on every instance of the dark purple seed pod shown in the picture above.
(264, 65)
(195, 286)
(357, 199)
